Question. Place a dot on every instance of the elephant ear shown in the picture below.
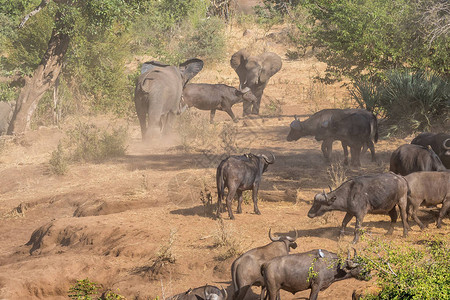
(149, 65)
(239, 59)
(190, 68)
(271, 64)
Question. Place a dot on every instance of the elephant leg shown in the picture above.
(141, 111)
(167, 123)
(255, 108)
(247, 108)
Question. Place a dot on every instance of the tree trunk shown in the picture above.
(43, 78)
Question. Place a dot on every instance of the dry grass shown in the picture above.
(225, 239)
(338, 173)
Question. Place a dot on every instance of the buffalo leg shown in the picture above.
(239, 208)
(393, 214)
(347, 218)
(255, 198)
(314, 292)
(230, 196)
(345, 148)
(402, 206)
(359, 221)
(372, 149)
(242, 292)
(413, 213)
(355, 152)
(211, 116)
(327, 148)
(443, 212)
(229, 111)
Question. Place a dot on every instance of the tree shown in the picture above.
(98, 15)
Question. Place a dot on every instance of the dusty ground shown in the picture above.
(108, 221)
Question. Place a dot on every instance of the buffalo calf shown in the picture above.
(409, 158)
(216, 97)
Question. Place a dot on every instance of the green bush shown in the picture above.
(87, 290)
(91, 144)
(408, 100)
(410, 272)
(59, 161)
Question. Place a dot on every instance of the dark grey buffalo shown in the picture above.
(315, 270)
(216, 97)
(207, 292)
(428, 188)
(246, 269)
(409, 158)
(355, 128)
(240, 173)
(439, 142)
(375, 194)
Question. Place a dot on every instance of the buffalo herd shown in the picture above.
(418, 176)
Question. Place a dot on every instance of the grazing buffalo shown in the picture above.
(355, 128)
(409, 158)
(207, 292)
(428, 188)
(246, 269)
(315, 270)
(376, 194)
(216, 97)
(439, 142)
(239, 173)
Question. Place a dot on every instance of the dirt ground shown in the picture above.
(110, 221)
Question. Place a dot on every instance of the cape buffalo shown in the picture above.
(315, 270)
(439, 142)
(428, 188)
(355, 128)
(216, 97)
(246, 269)
(240, 173)
(409, 158)
(376, 194)
(207, 292)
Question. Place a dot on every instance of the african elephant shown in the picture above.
(158, 93)
(254, 72)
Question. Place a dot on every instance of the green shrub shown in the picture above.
(59, 161)
(410, 272)
(91, 144)
(84, 289)
(409, 100)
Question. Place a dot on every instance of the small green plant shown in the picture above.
(59, 161)
(273, 108)
(84, 289)
(311, 272)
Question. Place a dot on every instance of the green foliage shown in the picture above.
(91, 144)
(59, 161)
(7, 93)
(84, 289)
(372, 36)
(87, 290)
(411, 272)
(409, 100)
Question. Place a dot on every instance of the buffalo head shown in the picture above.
(296, 131)
(355, 266)
(289, 241)
(321, 204)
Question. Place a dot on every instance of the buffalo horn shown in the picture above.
(245, 90)
(444, 144)
(224, 293)
(350, 262)
(295, 118)
(267, 159)
(293, 239)
(330, 188)
(271, 237)
(206, 292)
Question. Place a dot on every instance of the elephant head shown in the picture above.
(158, 92)
(254, 72)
